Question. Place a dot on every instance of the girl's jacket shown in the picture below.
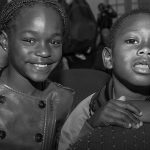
(33, 122)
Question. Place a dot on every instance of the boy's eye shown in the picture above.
(56, 42)
(131, 41)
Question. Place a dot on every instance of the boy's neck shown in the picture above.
(121, 90)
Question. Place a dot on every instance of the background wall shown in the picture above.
(93, 4)
(144, 4)
(121, 6)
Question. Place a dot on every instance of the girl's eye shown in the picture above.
(131, 41)
(29, 40)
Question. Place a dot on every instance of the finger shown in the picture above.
(123, 124)
(128, 106)
(122, 98)
(128, 125)
(120, 115)
(133, 109)
(129, 117)
(114, 120)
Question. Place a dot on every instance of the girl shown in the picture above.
(32, 107)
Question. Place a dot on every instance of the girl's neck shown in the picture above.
(17, 82)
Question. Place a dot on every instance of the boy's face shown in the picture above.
(35, 43)
(131, 52)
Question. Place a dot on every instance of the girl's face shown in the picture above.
(3, 58)
(35, 43)
(131, 52)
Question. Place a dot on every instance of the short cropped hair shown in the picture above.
(12, 9)
(116, 26)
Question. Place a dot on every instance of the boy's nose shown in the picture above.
(144, 51)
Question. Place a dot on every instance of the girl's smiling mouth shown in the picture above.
(40, 65)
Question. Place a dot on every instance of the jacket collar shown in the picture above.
(102, 96)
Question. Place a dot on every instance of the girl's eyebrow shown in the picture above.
(36, 33)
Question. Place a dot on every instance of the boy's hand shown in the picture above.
(117, 112)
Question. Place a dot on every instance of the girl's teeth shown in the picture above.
(142, 66)
(39, 65)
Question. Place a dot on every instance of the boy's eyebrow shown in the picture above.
(127, 31)
(57, 34)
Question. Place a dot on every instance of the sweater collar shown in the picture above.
(101, 97)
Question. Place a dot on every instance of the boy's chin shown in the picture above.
(137, 84)
(142, 87)
(141, 82)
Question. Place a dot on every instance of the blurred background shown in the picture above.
(86, 43)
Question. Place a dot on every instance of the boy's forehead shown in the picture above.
(134, 21)
(136, 18)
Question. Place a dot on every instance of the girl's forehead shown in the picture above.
(37, 18)
(36, 11)
(33, 8)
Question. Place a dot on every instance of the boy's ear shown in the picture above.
(4, 41)
(107, 58)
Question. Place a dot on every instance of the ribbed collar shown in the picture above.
(102, 96)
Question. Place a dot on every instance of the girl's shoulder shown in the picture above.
(62, 88)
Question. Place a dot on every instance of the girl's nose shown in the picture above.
(43, 51)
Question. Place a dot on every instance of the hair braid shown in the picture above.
(11, 9)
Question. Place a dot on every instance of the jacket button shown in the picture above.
(42, 104)
(2, 99)
(38, 137)
(2, 134)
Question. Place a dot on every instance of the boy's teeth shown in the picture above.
(149, 65)
(40, 65)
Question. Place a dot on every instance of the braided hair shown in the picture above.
(12, 9)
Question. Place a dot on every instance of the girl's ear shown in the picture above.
(3, 50)
(4, 41)
(107, 58)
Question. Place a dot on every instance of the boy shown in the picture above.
(122, 102)
(32, 108)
